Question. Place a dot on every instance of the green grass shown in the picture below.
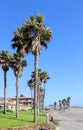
(25, 118)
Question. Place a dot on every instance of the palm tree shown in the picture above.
(68, 102)
(44, 77)
(41, 99)
(60, 104)
(21, 95)
(31, 37)
(55, 104)
(64, 103)
(17, 65)
(31, 84)
(5, 63)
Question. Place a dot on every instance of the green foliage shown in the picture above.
(1, 111)
(26, 118)
(9, 110)
(32, 28)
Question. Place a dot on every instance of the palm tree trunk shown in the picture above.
(17, 100)
(31, 99)
(5, 72)
(36, 86)
(38, 92)
(44, 97)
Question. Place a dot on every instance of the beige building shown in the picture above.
(24, 103)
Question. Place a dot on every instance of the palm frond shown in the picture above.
(24, 63)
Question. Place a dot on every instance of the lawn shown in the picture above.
(25, 118)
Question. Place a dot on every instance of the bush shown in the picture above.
(47, 126)
(9, 110)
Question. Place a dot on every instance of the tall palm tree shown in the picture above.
(41, 99)
(68, 102)
(44, 77)
(55, 104)
(60, 104)
(5, 63)
(31, 85)
(17, 65)
(31, 37)
(64, 103)
(39, 90)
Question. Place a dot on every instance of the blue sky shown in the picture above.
(63, 59)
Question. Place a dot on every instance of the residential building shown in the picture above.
(24, 103)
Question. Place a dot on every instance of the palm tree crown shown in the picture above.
(31, 35)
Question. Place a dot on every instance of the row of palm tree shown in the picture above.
(64, 103)
(16, 64)
(43, 77)
(30, 37)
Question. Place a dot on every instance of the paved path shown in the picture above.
(70, 119)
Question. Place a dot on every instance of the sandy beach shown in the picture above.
(73, 113)
(69, 119)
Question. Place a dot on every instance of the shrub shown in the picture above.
(47, 126)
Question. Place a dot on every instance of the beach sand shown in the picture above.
(71, 119)
(75, 113)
